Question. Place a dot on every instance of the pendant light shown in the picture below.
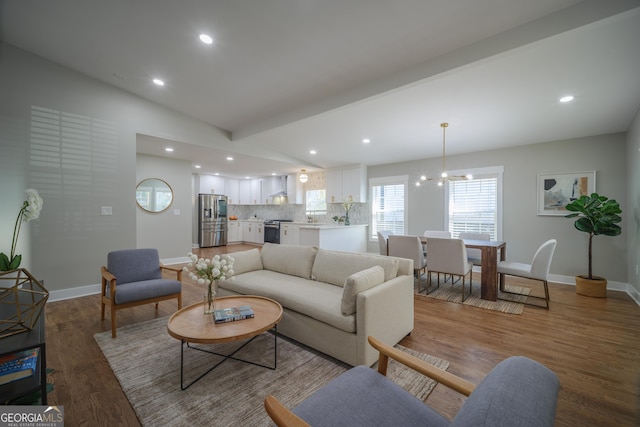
(444, 176)
(303, 176)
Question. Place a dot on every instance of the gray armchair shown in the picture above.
(134, 277)
(517, 392)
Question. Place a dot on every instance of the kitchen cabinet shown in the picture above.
(211, 184)
(347, 182)
(289, 234)
(234, 233)
(352, 238)
(294, 190)
(250, 192)
(256, 192)
(232, 191)
(253, 232)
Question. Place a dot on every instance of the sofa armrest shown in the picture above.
(385, 312)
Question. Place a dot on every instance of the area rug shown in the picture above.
(506, 303)
(146, 362)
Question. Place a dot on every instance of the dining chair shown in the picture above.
(448, 256)
(409, 247)
(437, 233)
(537, 270)
(474, 255)
(383, 236)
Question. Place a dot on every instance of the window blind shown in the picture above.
(388, 208)
(473, 206)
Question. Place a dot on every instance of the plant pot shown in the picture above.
(596, 287)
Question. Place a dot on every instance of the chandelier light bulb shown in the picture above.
(303, 176)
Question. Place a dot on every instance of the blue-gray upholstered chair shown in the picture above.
(517, 392)
(134, 277)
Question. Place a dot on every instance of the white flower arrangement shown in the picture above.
(347, 204)
(30, 210)
(205, 271)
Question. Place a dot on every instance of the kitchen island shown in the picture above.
(336, 237)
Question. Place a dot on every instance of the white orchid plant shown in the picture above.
(30, 210)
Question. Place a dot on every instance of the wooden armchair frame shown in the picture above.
(111, 280)
(283, 417)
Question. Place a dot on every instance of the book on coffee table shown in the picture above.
(232, 314)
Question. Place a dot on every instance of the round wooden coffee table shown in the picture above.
(191, 325)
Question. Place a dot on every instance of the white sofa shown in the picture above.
(332, 300)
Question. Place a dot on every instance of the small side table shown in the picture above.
(34, 338)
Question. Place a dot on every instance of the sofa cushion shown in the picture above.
(246, 261)
(334, 267)
(320, 301)
(358, 282)
(288, 259)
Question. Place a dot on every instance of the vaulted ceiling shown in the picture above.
(284, 77)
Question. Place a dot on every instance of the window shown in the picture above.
(316, 202)
(475, 206)
(388, 205)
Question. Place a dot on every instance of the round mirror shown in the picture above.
(154, 195)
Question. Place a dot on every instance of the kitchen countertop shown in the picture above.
(329, 226)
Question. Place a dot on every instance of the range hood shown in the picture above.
(281, 196)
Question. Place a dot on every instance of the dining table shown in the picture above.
(489, 264)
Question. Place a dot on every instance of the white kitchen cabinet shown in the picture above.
(211, 184)
(259, 237)
(232, 191)
(347, 182)
(244, 192)
(289, 234)
(234, 232)
(253, 232)
(256, 192)
(294, 190)
(335, 237)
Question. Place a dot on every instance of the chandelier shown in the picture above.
(303, 176)
(444, 176)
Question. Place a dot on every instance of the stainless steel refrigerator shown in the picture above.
(212, 220)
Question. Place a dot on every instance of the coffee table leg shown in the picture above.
(226, 357)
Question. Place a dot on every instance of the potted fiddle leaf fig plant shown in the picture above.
(596, 215)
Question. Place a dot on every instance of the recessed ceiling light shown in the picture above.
(247, 177)
(312, 152)
(229, 158)
(567, 98)
(158, 82)
(197, 166)
(206, 39)
(366, 140)
(273, 174)
(169, 150)
(217, 173)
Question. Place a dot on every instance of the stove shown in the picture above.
(272, 230)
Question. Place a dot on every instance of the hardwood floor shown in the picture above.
(592, 344)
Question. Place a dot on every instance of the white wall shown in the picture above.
(168, 231)
(70, 241)
(633, 211)
(523, 230)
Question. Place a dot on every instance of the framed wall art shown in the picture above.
(556, 190)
